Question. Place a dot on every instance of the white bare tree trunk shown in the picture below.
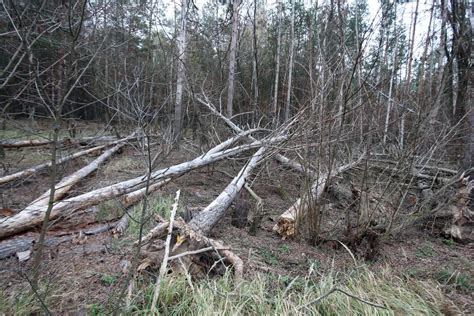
(181, 72)
(290, 66)
(392, 78)
(232, 57)
(255, 63)
(441, 70)
(277, 67)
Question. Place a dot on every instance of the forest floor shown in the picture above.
(81, 275)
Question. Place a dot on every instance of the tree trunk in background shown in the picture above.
(441, 72)
(181, 72)
(290, 66)
(255, 64)
(462, 53)
(277, 67)
(232, 57)
(469, 150)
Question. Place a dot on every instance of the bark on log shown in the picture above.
(32, 170)
(34, 216)
(286, 224)
(280, 158)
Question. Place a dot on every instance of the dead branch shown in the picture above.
(164, 264)
(280, 158)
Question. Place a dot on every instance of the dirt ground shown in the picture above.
(77, 271)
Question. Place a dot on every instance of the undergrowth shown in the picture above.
(155, 206)
(360, 292)
(357, 293)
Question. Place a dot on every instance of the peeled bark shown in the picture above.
(286, 224)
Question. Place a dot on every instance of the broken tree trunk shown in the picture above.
(286, 224)
(208, 217)
(280, 158)
(32, 170)
(33, 216)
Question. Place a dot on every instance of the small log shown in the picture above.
(256, 215)
(27, 143)
(286, 224)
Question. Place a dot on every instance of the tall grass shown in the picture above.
(355, 293)
(267, 294)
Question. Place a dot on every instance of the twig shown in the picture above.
(194, 252)
(343, 292)
(164, 264)
(154, 232)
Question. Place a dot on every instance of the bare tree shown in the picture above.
(181, 72)
(232, 57)
(277, 65)
(290, 63)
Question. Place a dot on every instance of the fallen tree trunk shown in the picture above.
(286, 224)
(34, 216)
(32, 170)
(207, 218)
(287, 162)
(422, 167)
(68, 182)
(65, 142)
(10, 247)
(192, 236)
(26, 143)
